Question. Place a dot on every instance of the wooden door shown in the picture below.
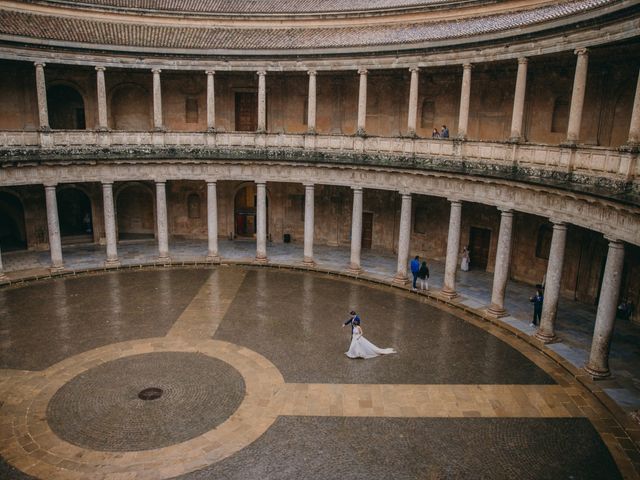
(479, 242)
(367, 230)
(246, 111)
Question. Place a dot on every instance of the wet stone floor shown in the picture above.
(253, 383)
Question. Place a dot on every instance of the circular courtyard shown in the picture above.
(239, 373)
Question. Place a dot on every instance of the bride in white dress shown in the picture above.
(362, 348)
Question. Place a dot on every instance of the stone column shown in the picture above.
(362, 102)
(212, 222)
(55, 244)
(453, 248)
(2, 274)
(163, 232)
(634, 127)
(103, 123)
(465, 97)
(577, 97)
(356, 231)
(211, 102)
(546, 332)
(41, 91)
(262, 102)
(261, 223)
(157, 100)
(501, 272)
(110, 224)
(311, 103)
(518, 100)
(309, 226)
(413, 101)
(404, 240)
(598, 365)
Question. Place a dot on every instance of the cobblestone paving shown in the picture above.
(100, 409)
(295, 319)
(404, 449)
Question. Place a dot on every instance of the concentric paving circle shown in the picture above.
(100, 409)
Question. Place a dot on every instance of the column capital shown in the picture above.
(405, 193)
(261, 73)
(414, 68)
(49, 186)
(614, 242)
(260, 182)
(211, 182)
(210, 72)
(40, 64)
(558, 224)
(156, 70)
(455, 200)
(467, 66)
(356, 189)
(362, 71)
(523, 60)
(160, 182)
(100, 68)
(581, 51)
(107, 183)
(312, 72)
(309, 185)
(505, 211)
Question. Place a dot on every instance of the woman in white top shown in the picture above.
(361, 347)
(466, 260)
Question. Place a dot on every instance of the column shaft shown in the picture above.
(503, 258)
(413, 101)
(212, 222)
(404, 239)
(102, 99)
(465, 97)
(598, 365)
(163, 232)
(261, 222)
(453, 248)
(41, 91)
(577, 97)
(110, 224)
(211, 102)
(157, 100)
(2, 274)
(262, 102)
(362, 102)
(546, 333)
(53, 225)
(518, 101)
(309, 198)
(356, 231)
(311, 103)
(634, 127)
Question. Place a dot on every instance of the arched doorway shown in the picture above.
(130, 108)
(134, 207)
(245, 211)
(66, 108)
(12, 226)
(74, 215)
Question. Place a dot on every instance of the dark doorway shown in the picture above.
(134, 207)
(479, 242)
(367, 230)
(74, 214)
(246, 111)
(245, 211)
(12, 227)
(66, 108)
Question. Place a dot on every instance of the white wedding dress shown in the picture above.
(362, 348)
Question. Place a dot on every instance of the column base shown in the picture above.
(3, 277)
(517, 139)
(597, 373)
(211, 129)
(496, 311)
(448, 293)
(569, 144)
(102, 129)
(56, 268)
(164, 259)
(361, 132)
(545, 337)
(213, 258)
(630, 147)
(354, 269)
(400, 279)
(312, 131)
(261, 260)
(308, 262)
(112, 263)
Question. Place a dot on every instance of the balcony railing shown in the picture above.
(583, 163)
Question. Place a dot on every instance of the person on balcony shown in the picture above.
(435, 133)
(444, 133)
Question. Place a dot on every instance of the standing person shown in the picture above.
(423, 276)
(352, 319)
(537, 300)
(361, 347)
(435, 133)
(415, 268)
(444, 133)
(466, 260)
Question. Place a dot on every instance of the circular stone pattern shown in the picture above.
(100, 409)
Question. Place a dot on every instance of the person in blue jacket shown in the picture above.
(415, 268)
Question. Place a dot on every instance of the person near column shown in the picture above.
(415, 268)
(435, 133)
(423, 276)
(444, 133)
(537, 301)
(466, 260)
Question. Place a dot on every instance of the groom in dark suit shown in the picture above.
(353, 320)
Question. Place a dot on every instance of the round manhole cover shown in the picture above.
(150, 393)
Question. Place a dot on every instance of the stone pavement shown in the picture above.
(574, 325)
(462, 398)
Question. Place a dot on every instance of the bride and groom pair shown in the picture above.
(361, 347)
